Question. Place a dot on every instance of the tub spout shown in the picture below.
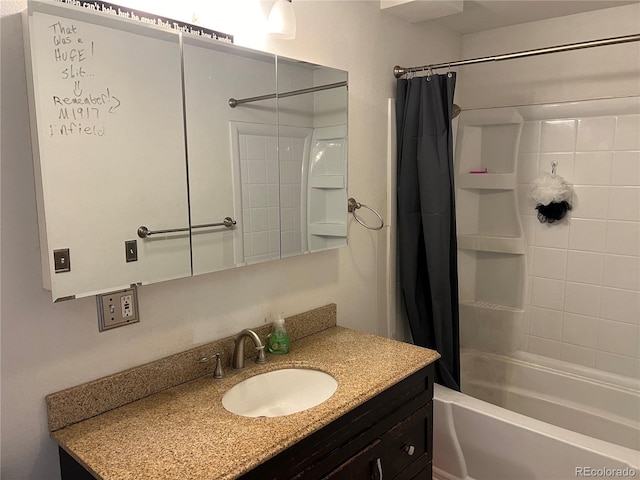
(238, 351)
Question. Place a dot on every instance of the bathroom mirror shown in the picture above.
(191, 184)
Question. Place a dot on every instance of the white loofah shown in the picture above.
(550, 188)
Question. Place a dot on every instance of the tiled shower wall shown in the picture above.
(270, 196)
(583, 299)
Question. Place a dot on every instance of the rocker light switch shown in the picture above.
(61, 260)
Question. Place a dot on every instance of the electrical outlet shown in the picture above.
(116, 309)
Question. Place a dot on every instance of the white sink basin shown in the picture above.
(281, 392)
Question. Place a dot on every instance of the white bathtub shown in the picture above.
(474, 440)
(581, 399)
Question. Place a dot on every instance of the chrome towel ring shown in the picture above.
(353, 205)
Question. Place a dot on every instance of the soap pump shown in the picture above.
(279, 339)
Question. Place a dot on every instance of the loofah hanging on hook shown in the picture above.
(551, 194)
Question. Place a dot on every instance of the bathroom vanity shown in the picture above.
(377, 424)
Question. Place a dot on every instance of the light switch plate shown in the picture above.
(61, 260)
(116, 309)
(131, 251)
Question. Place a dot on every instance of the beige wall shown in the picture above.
(47, 347)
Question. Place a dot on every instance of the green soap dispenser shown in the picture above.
(279, 339)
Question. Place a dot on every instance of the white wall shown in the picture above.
(583, 74)
(47, 347)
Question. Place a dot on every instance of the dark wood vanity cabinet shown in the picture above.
(388, 437)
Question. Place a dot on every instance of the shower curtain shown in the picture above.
(426, 219)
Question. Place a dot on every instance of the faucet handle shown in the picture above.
(261, 358)
(218, 373)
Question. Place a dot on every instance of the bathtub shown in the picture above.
(584, 400)
(475, 440)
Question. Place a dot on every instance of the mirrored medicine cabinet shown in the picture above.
(160, 155)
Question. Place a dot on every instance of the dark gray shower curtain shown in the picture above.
(426, 219)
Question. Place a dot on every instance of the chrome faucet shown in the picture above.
(238, 351)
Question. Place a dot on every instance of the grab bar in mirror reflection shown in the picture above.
(144, 232)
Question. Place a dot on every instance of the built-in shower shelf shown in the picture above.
(494, 181)
(326, 181)
(328, 229)
(491, 243)
(479, 305)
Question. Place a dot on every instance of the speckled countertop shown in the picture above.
(185, 433)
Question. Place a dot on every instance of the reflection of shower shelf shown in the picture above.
(491, 243)
(328, 229)
(495, 181)
(326, 181)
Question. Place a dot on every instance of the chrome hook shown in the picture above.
(554, 167)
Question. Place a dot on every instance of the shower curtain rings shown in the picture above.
(353, 205)
(449, 74)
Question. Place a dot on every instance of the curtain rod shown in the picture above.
(234, 102)
(399, 71)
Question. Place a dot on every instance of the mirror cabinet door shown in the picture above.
(312, 128)
(108, 148)
(232, 154)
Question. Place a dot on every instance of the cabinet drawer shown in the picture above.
(407, 442)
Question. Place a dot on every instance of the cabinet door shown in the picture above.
(407, 442)
(108, 144)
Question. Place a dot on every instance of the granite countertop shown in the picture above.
(184, 432)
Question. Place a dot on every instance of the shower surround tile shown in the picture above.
(625, 169)
(558, 136)
(593, 168)
(590, 202)
(585, 267)
(624, 204)
(584, 271)
(550, 263)
(581, 298)
(620, 305)
(596, 133)
(587, 234)
(580, 330)
(627, 128)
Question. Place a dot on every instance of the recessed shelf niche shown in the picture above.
(491, 246)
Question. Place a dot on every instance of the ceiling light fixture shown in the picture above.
(282, 20)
